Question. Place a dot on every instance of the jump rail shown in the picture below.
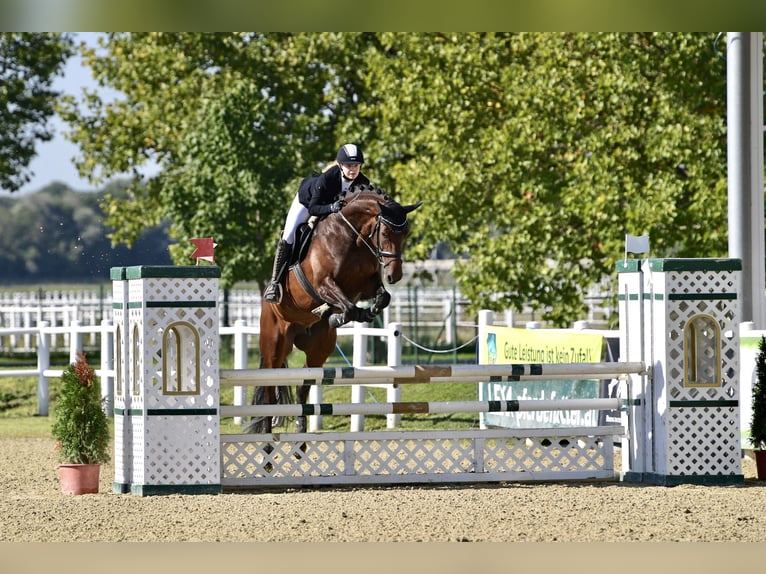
(501, 406)
(426, 374)
(475, 455)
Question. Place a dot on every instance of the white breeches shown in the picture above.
(295, 216)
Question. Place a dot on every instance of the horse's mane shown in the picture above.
(392, 213)
(359, 190)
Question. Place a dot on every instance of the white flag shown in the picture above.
(636, 244)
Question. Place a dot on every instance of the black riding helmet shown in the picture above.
(350, 153)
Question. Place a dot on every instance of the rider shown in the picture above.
(316, 196)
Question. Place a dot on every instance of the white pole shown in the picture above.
(43, 363)
(532, 405)
(744, 88)
(240, 362)
(107, 367)
(394, 392)
(75, 341)
(359, 360)
(486, 319)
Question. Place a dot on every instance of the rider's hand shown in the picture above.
(337, 206)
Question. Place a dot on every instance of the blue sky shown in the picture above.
(54, 158)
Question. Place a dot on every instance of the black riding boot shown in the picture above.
(273, 291)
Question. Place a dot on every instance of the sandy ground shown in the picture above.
(32, 509)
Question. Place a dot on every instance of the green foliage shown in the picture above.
(81, 429)
(233, 120)
(758, 420)
(29, 62)
(535, 153)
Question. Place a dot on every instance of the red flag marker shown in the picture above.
(205, 249)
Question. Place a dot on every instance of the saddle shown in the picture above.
(303, 237)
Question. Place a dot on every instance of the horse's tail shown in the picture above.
(284, 397)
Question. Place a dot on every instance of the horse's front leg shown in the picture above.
(382, 300)
(333, 294)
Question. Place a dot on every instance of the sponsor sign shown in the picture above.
(507, 345)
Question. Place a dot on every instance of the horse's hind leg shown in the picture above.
(317, 343)
(302, 394)
(261, 424)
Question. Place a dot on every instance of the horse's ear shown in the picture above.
(413, 207)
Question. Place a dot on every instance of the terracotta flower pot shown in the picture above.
(79, 478)
(760, 463)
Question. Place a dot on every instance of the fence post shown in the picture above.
(43, 363)
(107, 367)
(359, 360)
(240, 362)
(75, 340)
(394, 392)
(486, 319)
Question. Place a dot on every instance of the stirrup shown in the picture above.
(273, 293)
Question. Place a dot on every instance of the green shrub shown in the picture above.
(758, 421)
(81, 428)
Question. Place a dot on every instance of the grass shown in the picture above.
(18, 400)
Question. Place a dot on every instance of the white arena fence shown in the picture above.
(437, 313)
(244, 337)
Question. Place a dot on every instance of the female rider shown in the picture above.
(316, 196)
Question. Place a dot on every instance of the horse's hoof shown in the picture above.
(336, 320)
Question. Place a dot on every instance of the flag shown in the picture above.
(205, 249)
(636, 244)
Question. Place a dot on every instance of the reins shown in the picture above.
(376, 251)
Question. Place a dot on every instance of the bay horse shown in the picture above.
(344, 262)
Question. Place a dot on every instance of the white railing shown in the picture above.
(243, 335)
(43, 333)
(436, 314)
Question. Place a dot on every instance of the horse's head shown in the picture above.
(381, 224)
(391, 229)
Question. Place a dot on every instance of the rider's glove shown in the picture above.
(336, 207)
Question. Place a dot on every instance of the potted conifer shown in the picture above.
(81, 429)
(758, 420)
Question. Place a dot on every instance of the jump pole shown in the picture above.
(423, 407)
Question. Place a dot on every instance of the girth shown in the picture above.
(323, 307)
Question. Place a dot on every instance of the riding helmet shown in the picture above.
(350, 153)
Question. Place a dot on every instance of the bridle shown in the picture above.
(375, 248)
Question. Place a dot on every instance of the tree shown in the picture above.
(29, 62)
(57, 234)
(233, 121)
(534, 153)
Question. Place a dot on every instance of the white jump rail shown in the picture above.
(409, 456)
(405, 374)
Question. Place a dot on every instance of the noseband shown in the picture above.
(374, 248)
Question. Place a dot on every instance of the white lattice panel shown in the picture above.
(121, 465)
(138, 451)
(701, 440)
(417, 456)
(178, 289)
(680, 312)
(180, 450)
(685, 421)
(704, 441)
